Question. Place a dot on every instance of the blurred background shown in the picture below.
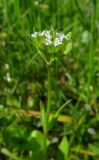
(23, 80)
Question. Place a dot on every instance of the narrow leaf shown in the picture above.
(41, 54)
(68, 48)
(43, 117)
(64, 147)
(69, 35)
(52, 123)
(9, 154)
(53, 120)
(61, 108)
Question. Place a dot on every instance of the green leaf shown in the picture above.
(68, 48)
(39, 138)
(9, 154)
(68, 35)
(11, 101)
(64, 147)
(43, 117)
(36, 145)
(42, 55)
(52, 123)
(53, 120)
(61, 108)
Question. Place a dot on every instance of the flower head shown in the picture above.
(50, 41)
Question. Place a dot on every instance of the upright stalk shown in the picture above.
(49, 91)
(48, 110)
(92, 46)
(45, 146)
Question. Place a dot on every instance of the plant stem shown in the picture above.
(45, 146)
(49, 91)
(48, 109)
(92, 48)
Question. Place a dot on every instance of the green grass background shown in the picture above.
(75, 77)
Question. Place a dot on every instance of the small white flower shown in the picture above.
(35, 34)
(42, 33)
(61, 36)
(48, 35)
(57, 42)
(47, 32)
(49, 39)
(47, 42)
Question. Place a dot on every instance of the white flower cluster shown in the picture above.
(49, 39)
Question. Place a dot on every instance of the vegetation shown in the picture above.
(28, 129)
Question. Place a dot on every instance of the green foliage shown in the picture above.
(23, 80)
(37, 139)
(54, 118)
(68, 48)
(43, 117)
(64, 147)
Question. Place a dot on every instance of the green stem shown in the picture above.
(49, 91)
(45, 146)
(92, 48)
(48, 109)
